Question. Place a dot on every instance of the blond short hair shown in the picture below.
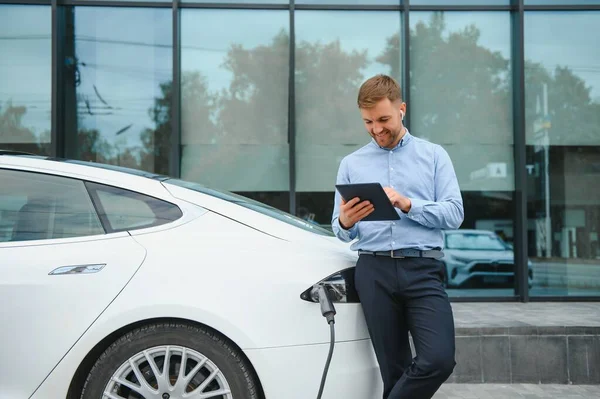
(376, 89)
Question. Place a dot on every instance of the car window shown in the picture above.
(475, 241)
(254, 205)
(122, 209)
(35, 206)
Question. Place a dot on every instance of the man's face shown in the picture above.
(384, 122)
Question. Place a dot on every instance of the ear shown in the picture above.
(403, 109)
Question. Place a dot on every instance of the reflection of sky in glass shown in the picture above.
(25, 62)
(566, 39)
(205, 38)
(123, 55)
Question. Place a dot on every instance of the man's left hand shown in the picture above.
(398, 200)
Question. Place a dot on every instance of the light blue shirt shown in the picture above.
(417, 169)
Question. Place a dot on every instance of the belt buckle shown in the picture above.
(396, 257)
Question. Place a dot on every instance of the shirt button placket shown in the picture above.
(391, 170)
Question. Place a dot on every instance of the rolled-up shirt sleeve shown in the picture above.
(447, 211)
(338, 230)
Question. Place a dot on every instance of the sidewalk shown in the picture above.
(532, 314)
(516, 391)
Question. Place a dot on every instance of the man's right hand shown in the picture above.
(354, 211)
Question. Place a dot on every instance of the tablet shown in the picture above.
(373, 192)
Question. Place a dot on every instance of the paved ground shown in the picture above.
(535, 291)
(517, 391)
(515, 314)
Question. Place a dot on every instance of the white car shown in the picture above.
(479, 258)
(118, 283)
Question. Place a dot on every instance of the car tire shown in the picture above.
(117, 369)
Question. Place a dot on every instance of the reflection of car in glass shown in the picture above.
(477, 258)
(124, 284)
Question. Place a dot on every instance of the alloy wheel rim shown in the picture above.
(168, 372)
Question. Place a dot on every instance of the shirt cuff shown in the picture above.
(348, 234)
(416, 208)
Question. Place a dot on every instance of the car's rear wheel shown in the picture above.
(171, 361)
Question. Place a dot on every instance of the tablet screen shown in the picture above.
(373, 192)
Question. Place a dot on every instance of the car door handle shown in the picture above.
(78, 269)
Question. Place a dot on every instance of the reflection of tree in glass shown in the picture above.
(573, 116)
(93, 147)
(460, 89)
(11, 124)
(391, 55)
(254, 108)
(17, 137)
(156, 142)
(327, 82)
(154, 153)
(198, 108)
(461, 94)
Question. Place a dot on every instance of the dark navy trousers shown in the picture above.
(405, 295)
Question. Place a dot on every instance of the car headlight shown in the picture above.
(461, 260)
(340, 285)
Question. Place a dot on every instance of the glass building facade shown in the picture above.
(259, 98)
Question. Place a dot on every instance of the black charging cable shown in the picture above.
(328, 311)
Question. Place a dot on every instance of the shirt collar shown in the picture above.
(405, 140)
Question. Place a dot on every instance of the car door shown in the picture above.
(59, 270)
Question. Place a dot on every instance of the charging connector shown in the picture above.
(327, 308)
(328, 311)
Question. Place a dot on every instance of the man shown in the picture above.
(398, 274)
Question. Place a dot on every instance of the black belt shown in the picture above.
(406, 253)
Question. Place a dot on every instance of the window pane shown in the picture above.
(158, 1)
(461, 2)
(562, 95)
(118, 71)
(561, 2)
(128, 210)
(239, 1)
(335, 52)
(25, 78)
(235, 100)
(40, 207)
(461, 98)
(352, 2)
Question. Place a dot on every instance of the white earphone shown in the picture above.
(402, 112)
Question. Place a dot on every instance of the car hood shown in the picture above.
(484, 255)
